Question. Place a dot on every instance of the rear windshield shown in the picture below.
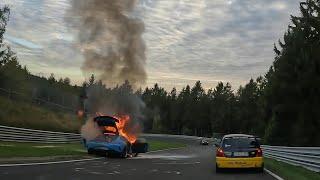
(240, 142)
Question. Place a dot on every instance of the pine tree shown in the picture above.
(4, 18)
(293, 82)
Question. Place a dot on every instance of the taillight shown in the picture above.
(259, 152)
(220, 153)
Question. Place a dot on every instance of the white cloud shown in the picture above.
(187, 40)
(279, 5)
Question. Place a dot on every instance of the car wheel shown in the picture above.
(260, 170)
(90, 151)
(124, 153)
(106, 154)
(218, 170)
(129, 149)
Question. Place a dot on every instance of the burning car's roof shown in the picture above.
(106, 121)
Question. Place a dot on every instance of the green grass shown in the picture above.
(13, 149)
(287, 171)
(18, 150)
(26, 115)
(160, 145)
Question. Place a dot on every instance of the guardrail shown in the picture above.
(308, 157)
(172, 136)
(30, 135)
(8, 133)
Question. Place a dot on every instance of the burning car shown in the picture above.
(114, 140)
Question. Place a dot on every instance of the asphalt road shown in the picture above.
(194, 162)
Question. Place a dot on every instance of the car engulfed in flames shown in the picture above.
(115, 139)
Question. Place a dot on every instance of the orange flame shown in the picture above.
(121, 125)
(80, 113)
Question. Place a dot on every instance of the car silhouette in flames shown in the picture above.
(113, 143)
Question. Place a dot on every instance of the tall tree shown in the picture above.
(198, 117)
(293, 83)
(222, 109)
(4, 18)
(248, 113)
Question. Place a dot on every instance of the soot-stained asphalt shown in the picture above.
(193, 162)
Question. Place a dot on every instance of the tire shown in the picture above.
(90, 151)
(218, 170)
(129, 149)
(260, 169)
(124, 153)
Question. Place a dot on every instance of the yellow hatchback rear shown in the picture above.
(239, 151)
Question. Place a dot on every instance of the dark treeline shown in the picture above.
(194, 111)
(282, 107)
(17, 82)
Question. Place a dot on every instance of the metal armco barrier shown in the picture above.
(8, 133)
(172, 136)
(308, 157)
(30, 135)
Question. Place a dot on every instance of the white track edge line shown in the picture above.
(273, 174)
(47, 163)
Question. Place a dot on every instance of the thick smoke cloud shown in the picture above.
(119, 101)
(114, 101)
(90, 130)
(110, 40)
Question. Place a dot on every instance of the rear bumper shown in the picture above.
(106, 148)
(254, 162)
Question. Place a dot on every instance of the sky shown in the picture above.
(187, 40)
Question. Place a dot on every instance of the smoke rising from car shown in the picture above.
(110, 39)
(119, 101)
(90, 130)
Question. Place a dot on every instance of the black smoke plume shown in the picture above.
(110, 39)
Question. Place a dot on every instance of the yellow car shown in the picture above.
(239, 151)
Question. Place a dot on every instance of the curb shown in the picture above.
(273, 174)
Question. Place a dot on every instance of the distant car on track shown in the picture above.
(239, 151)
(204, 142)
(111, 143)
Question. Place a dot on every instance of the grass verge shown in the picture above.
(287, 171)
(13, 149)
(26, 115)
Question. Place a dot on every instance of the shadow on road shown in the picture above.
(240, 171)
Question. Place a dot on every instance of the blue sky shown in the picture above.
(187, 40)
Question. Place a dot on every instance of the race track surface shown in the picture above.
(194, 162)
